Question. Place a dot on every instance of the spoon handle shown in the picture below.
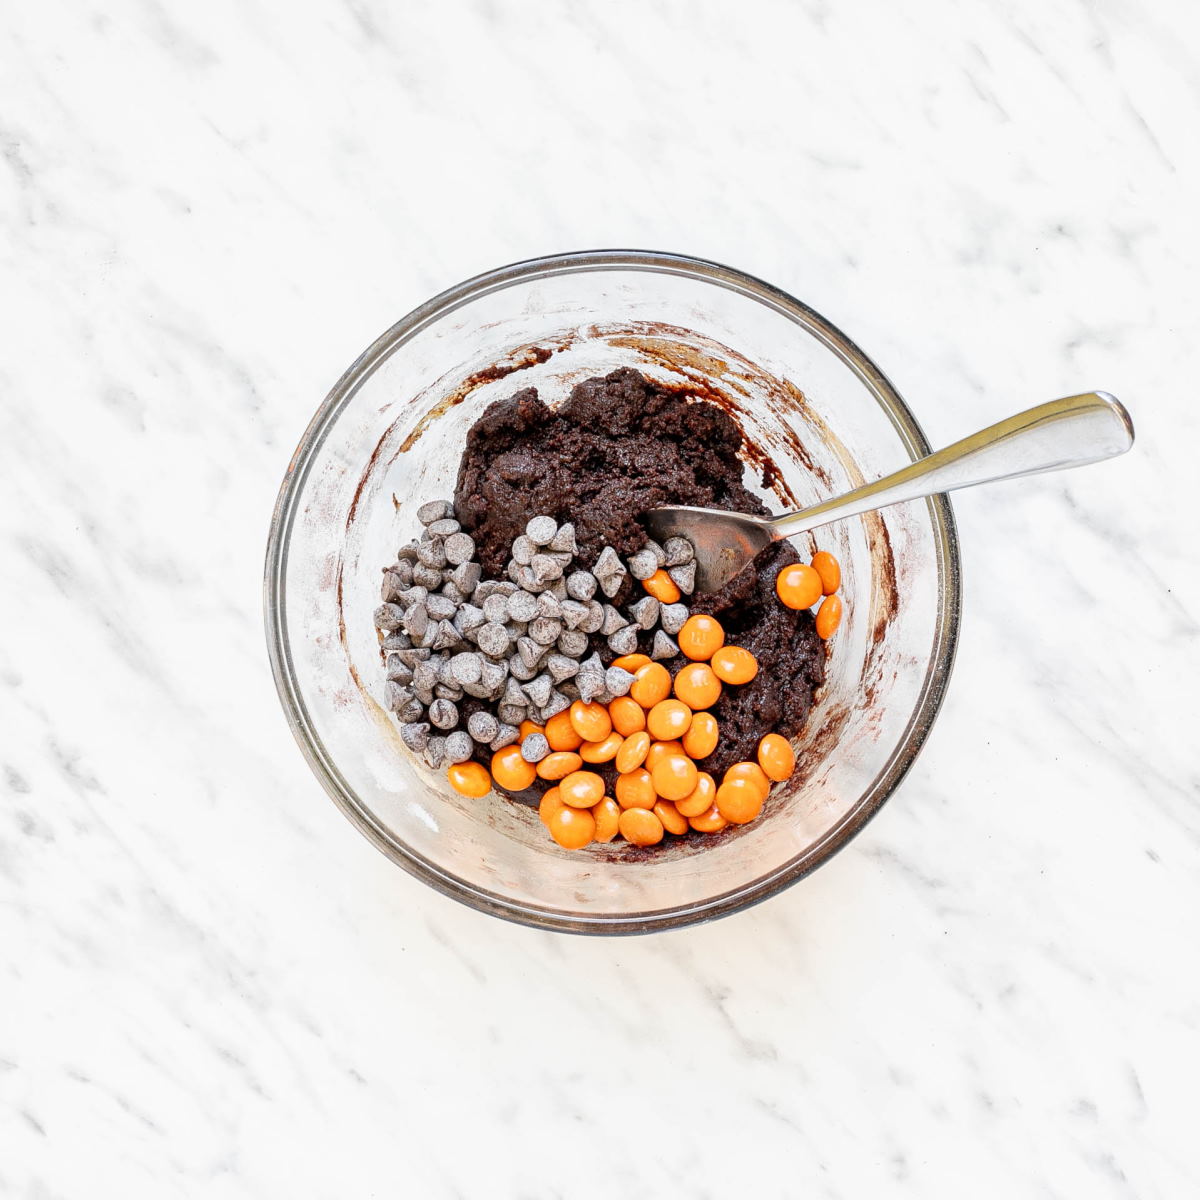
(1070, 432)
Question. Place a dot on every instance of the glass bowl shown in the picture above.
(388, 437)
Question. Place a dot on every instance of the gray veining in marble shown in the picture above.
(210, 985)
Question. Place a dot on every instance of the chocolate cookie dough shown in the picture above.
(619, 446)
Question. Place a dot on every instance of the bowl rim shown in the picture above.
(929, 699)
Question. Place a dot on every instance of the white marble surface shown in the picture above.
(210, 985)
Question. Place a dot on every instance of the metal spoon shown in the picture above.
(1070, 432)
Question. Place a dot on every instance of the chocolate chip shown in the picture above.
(416, 620)
(397, 641)
(395, 668)
(572, 613)
(452, 592)
(448, 638)
(459, 747)
(448, 691)
(415, 736)
(545, 569)
(512, 714)
(624, 641)
(541, 530)
(556, 704)
(407, 554)
(660, 555)
(618, 681)
(483, 727)
(672, 616)
(507, 735)
(389, 617)
(564, 540)
(522, 606)
(444, 528)
(396, 695)
(521, 670)
(678, 551)
(434, 510)
(545, 631)
(549, 606)
(581, 585)
(535, 747)
(558, 589)
(435, 752)
(613, 621)
(466, 668)
(523, 550)
(594, 619)
(538, 690)
(414, 595)
(610, 585)
(684, 577)
(413, 655)
(663, 647)
(561, 666)
(427, 577)
(492, 679)
(643, 564)
(393, 585)
(466, 577)
(439, 607)
(433, 554)
(573, 643)
(645, 612)
(460, 548)
(491, 637)
(608, 564)
(444, 714)
(467, 618)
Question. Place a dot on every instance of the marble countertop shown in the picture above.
(210, 984)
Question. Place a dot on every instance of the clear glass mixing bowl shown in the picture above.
(388, 437)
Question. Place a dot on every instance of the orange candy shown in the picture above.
(776, 757)
(701, 637)
(628, 716)
(668, 720)
(590, 721)
(608, 816)
(671, 820)
(550, 803)
(602, 751)
(674, 777)
(470, 779)
(572, 828)
(659, 750)
(739, 801)
(631, 662)
(702, 736)
(511, 771)
(829, 569)
(558, 764)
(732, 664)
(581, 789)
(527, 727)
(702, 799)
(829, 616)
(697, 686)
(708, 822)
(662, 587)
(560, 733)
(636, 790)
(752, 773)
(798, 586)
(651, 683)
(633, 752)
(641, 827)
